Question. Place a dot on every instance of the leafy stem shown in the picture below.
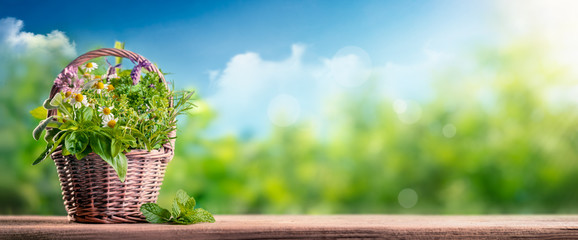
(182, 212)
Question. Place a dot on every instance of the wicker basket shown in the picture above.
(91, 189)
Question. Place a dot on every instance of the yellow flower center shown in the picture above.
(86, 75)
(89, 65)
(106, 111)
(78, 97)
(99, 85)
(111, 123)
(67, 94)
(110, 87)
(97, 77)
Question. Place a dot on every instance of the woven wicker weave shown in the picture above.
(91, 189)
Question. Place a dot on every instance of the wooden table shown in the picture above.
(299, 226)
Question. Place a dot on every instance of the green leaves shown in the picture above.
(101, 145)
(39, 113)
(183, 211)
(54, 103)
(85, 114)
(183, 206)
(76, 142)
(41, 126)
(44, 154)
(154, 213)
(142, 113)
(202, 215)
(119, 163)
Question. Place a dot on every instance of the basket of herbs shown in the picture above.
(111, 134)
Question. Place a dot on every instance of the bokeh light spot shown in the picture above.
(407, 198)
(449, 130)
(399, 106)
(408, 112)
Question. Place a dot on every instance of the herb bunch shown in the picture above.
(110, 114)
(182, 212)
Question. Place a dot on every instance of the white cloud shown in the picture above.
(15, 42)
(250, 86)
(18, 49)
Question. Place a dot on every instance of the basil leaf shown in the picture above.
(85, 114)
(65, 152)
(101, 145)
(120, 164)
(84, 153)
(76, 142)
(154, 213)
(116, 147)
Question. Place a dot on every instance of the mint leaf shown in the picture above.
(183, 211)
(182, 197)
(202, 215)
(183, 204)
(154, 213)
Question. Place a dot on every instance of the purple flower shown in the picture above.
(63, 80)
(135, 73)
(78, 83)
(111, 69)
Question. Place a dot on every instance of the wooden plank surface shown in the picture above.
(298, 226)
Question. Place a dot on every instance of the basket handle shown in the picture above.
(70, 72)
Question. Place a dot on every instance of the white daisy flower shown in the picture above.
(99, 86)
(69, 94)
(109, 123)
(109, 87)
(78, 100)
(89, 66)
(88, 77)
(105, 113)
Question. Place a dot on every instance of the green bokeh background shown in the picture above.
(514, 150)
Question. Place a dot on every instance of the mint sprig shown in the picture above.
(183, 211)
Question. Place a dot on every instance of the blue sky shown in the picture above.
(210, 45)
(190, 38)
